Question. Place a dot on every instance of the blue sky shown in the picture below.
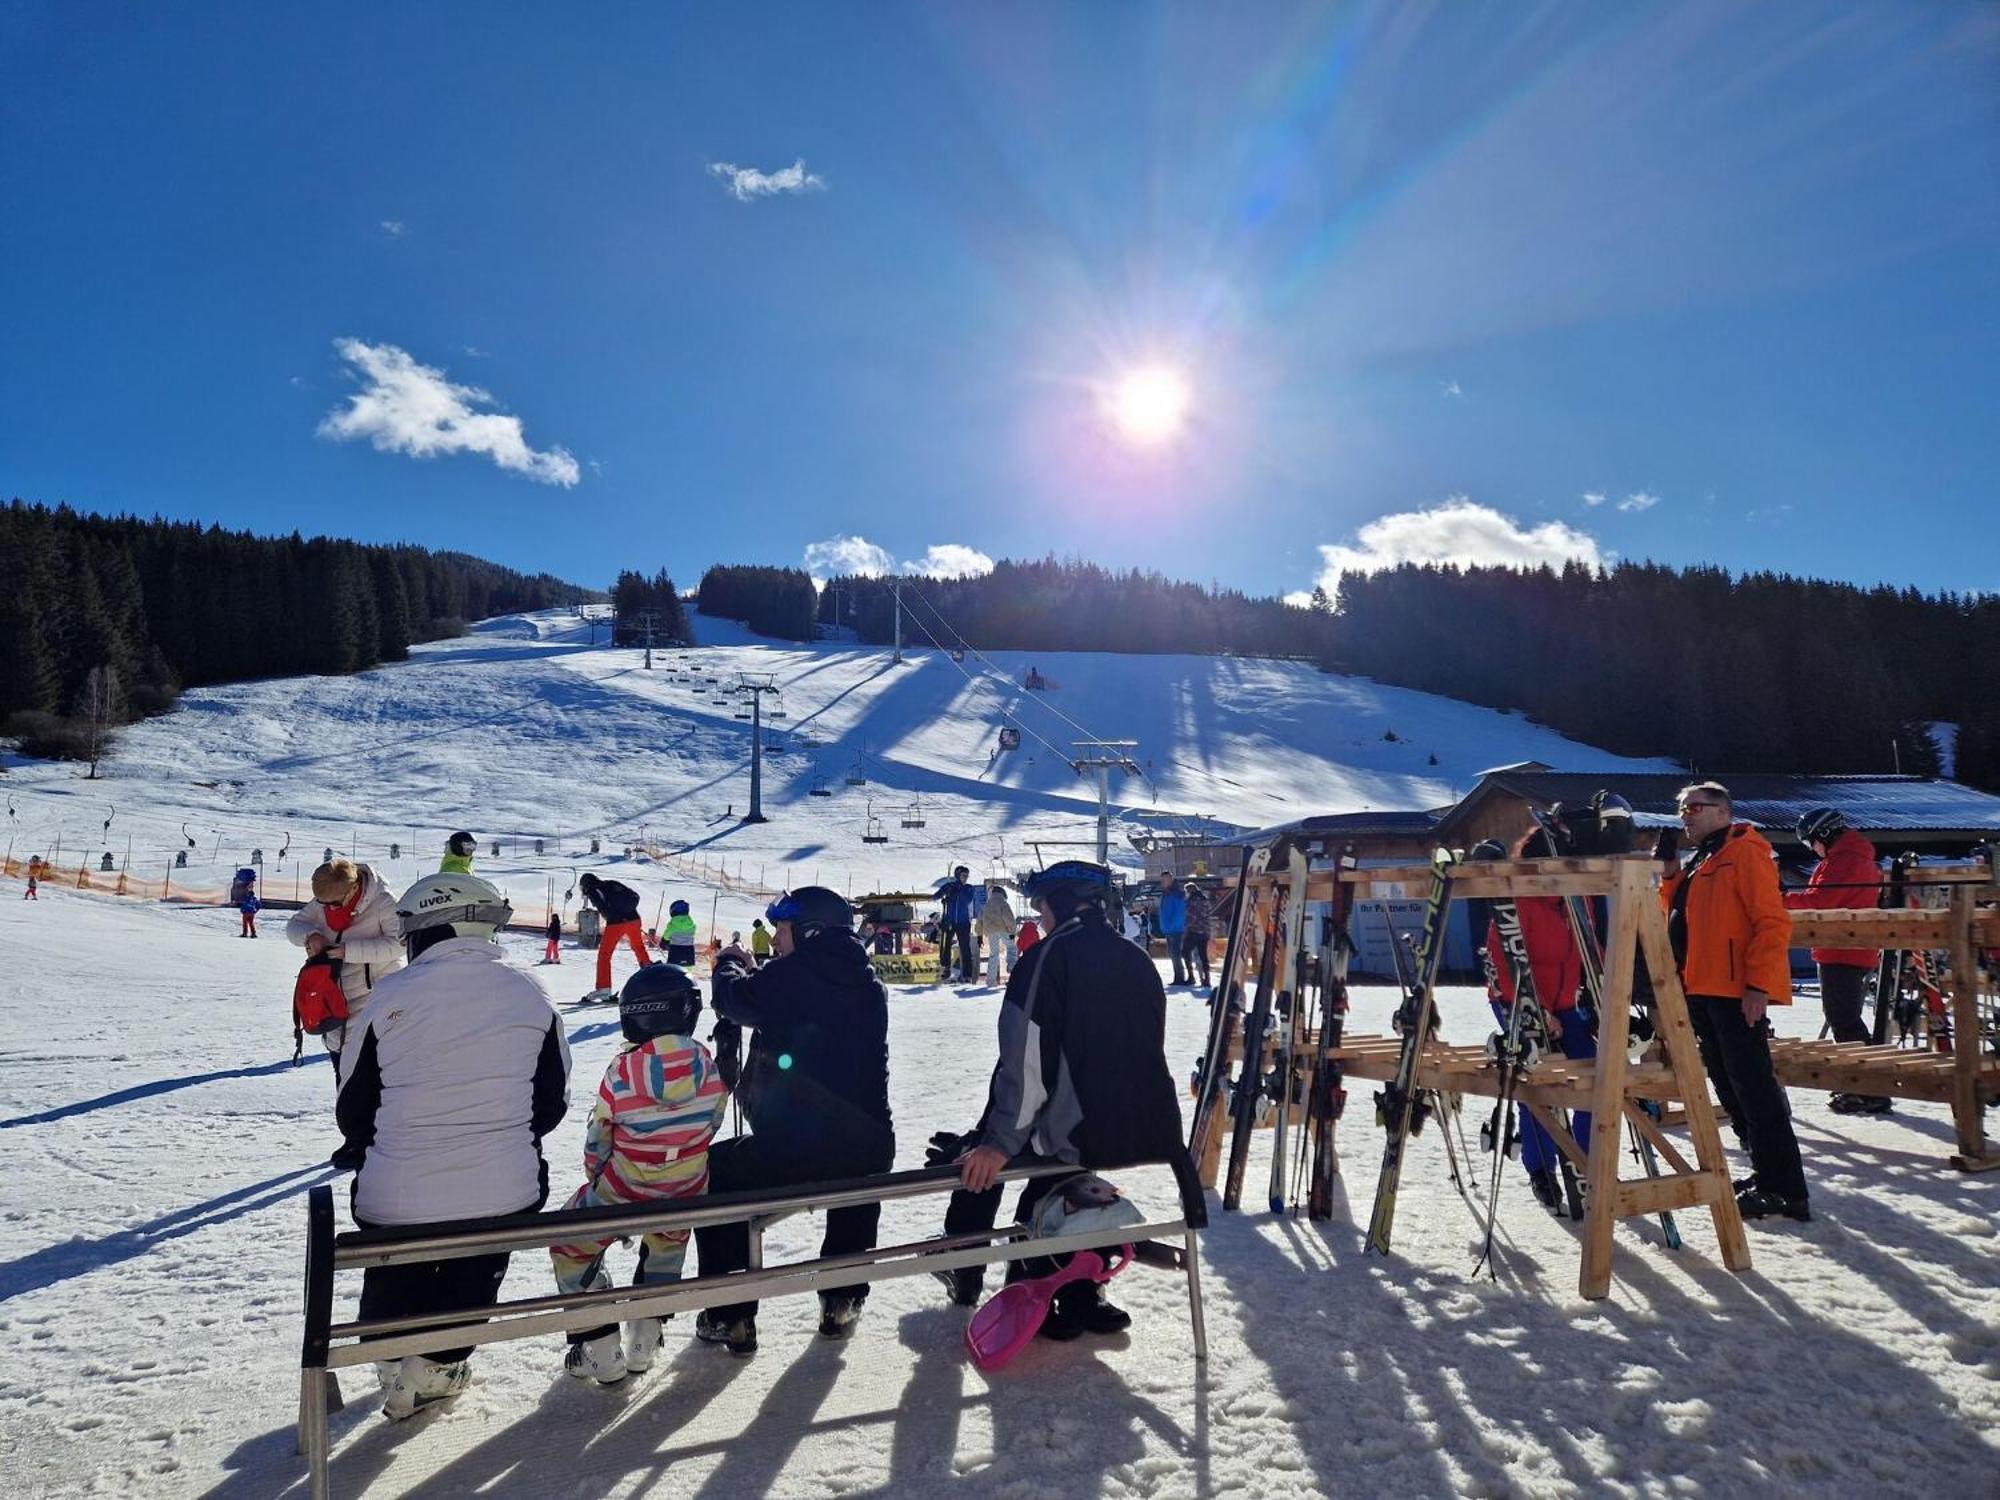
(580, 289)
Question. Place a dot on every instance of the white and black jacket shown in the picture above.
(453, 1076)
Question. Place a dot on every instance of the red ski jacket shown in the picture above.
(1553, 962)
(1848, 878)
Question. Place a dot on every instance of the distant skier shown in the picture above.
(955, 895)
(458, 852)
(1171, 915)
(1081, 1078)
(1194, 937)
(460, 1068)
(760, 942)
(34, 891)
(1846, 876)
(680, 935)
(247, 910)
(657, 1110)
(552, 948)
(618, 905)
(996, 929)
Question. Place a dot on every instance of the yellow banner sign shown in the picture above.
(906, 968)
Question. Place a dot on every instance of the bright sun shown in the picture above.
(1149, 405)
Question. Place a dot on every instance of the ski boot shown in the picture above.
(1547, 1191)
(599, 1359)
(963, 1286)
(738, 1336)
(595, 997)
(1762, 1203)
(837, 1316)
(422, 1383)
(642, 1343)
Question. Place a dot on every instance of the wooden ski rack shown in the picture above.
(1611, 1086)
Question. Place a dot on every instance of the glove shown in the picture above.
(1667, 847)
(947, 1146)
(726, 1040)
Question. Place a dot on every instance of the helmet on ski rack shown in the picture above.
(1821, 826)
(1615, 827)
(1555, 833)
(1069, 882)
(465, 903)
(1487, 849)
(810, 908)
(659, 1000)
(462, 843)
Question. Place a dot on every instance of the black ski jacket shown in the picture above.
(615, 901)
(816, 1078)
(1082, 1075)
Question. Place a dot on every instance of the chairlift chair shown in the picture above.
(875, 833)
(856, 776)
(913, 815)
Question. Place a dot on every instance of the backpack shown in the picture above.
(319, 1005)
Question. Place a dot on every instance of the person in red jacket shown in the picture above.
(1731, 938)
(1845, 877)
(1555, 970)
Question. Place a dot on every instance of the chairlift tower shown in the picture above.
(1104, 757)
(756, 684)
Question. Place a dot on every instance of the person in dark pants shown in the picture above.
(1846, 877)
(1194, 941)
(1081, 1079)
(1171, 917)
(1730, 935)
(815, 1089)
(955, 896)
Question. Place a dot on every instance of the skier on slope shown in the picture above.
(459, 1068)
(1846, 876)
(618, 904)
(1555, 969)
(1082, 1078)
(679, 935)
(657, 1109)
(458, 852)
(814, 1087)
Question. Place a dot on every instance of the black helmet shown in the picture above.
(1487, 849)
(1555, 833)
(461, 843)
(1069, 883)
(810, 908)
(659, 1000)
(1821, 826)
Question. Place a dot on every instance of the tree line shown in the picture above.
(1763, 672)
(778, 602)
(153, 606)
(635, 597)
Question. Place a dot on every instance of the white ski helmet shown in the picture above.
(468, 904)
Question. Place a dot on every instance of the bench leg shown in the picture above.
(312, 1430)
(1194, 1299)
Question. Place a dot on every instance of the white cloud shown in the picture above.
(951, 560)
(1637, 501)
(746, 183)
(856, 556)
(848, 556)
(405, 407)
(473, 351)
(1593, 497)
(1457, 532)
(393, 228)
(1452, 388)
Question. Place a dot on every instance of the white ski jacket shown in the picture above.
(453, 1077)
(372, 945)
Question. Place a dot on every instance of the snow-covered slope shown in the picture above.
(524, 730)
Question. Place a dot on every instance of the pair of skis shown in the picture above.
(1397, 1104)
(1276, 994)
(1327, 1099)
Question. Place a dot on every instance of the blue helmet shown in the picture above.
(678, 909)
(1070, 880)
(810, 908)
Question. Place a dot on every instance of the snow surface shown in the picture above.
(156, 1144)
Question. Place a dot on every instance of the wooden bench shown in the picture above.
(328, 1346)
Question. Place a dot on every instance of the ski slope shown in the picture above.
(156, 1147)
(524, 730)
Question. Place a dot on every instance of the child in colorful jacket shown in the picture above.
(657, 1110)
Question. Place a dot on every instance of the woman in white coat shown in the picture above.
(352, 917)
(997, 925)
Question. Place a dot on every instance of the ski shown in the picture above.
(1889, 971)
(1250, 1077)
(1291, 956)
(1514, 1051)
(1328, 1098)
(1397, 1104)
(1225, 1006)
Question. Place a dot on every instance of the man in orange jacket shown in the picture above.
(1731, 937)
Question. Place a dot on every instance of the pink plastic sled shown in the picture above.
(1014, 1314)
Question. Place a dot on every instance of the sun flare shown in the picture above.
(1148, 406)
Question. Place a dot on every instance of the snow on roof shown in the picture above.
(1773, 800)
